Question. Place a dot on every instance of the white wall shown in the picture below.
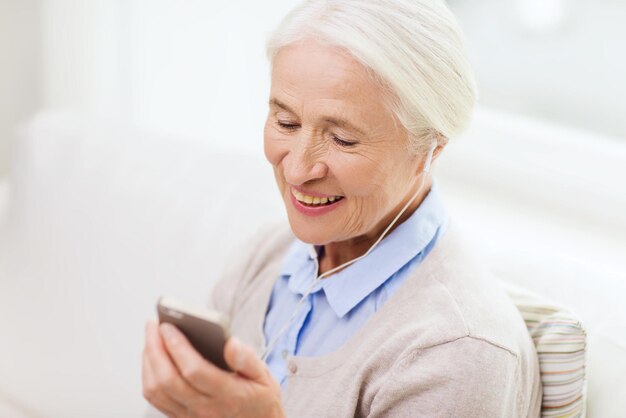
(20, 67)
(199, 70)
(560, 60)
(85, 59)
(195, 69)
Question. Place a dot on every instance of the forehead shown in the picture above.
(311, 75)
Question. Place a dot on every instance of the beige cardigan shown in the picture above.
(448, 343)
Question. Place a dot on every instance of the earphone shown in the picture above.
(313, 253)
(429, 157)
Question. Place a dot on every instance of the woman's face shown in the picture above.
(339, 156)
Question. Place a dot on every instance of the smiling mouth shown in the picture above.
(315, 201)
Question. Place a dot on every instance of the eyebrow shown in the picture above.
(275, 102)
(342, 123)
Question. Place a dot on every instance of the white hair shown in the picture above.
(414, 47)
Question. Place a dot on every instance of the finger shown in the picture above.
(159, 399)
(202, 375)
(244, 361)
(165, 376)
(154, 395)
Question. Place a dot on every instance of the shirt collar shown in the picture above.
(347, 288)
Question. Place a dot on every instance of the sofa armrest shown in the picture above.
(4, 197)
(8, 408)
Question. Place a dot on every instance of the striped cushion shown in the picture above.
(561, 346)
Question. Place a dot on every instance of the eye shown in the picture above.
(288, 126)
(343, 142)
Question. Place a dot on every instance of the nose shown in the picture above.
(304, 163)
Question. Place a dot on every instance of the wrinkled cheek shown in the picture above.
(354, 215)
(274, 147)
(365, 211)
(275, 152)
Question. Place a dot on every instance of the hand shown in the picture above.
(179, 382)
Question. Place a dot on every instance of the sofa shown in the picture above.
(97, 220)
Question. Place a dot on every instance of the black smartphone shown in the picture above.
(207, 330)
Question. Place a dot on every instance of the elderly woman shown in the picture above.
(369, 305)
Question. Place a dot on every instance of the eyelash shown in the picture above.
(288, 126)
(338, 141)
(343, 143)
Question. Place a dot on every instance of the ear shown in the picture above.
(438, 151)
(441, 143)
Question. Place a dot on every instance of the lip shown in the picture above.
(314, 211)
(313, 194)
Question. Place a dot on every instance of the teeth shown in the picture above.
(313, 200)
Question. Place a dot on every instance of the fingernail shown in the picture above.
(149, 322)
(167, 331)
(239, 354)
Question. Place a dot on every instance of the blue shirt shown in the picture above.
(341, 303)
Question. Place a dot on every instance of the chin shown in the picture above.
(309, 232)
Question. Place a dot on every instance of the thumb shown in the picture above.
(244, 361)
